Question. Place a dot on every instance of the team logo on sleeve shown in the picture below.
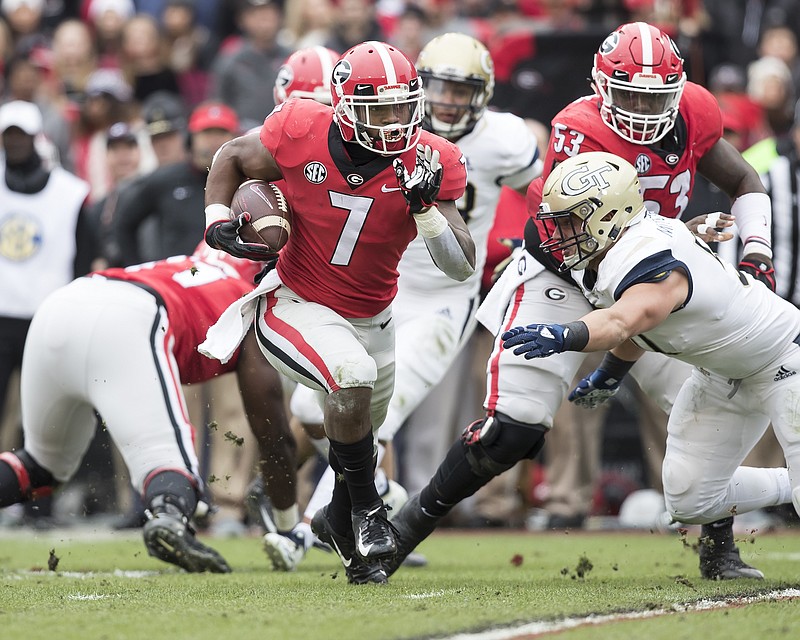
(315, 172)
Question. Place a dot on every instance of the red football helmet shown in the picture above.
(638, 74)
(377, 98)
(306, 74)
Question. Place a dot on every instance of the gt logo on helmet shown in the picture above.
(583, 178)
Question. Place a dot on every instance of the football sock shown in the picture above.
(358, 467)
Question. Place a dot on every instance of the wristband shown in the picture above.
(753, 213)
(755, 247)
(217, 212)
(431, 223)
(576, 335)
(615, 367)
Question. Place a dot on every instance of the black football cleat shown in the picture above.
(719, 555)
(169, 537)
(357, 569)
(374, 535)
(412, 526)
(725, 565)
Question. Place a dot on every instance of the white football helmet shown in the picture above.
(589, 199)
(458, 77)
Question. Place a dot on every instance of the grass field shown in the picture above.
(105, 586)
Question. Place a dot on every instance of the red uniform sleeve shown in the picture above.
(701, 110)
(454, 165)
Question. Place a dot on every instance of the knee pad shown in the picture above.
(34, 480)
(359, 371)
(496, 443)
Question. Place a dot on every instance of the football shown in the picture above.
(270, 216)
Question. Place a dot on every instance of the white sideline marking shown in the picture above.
(423, 596)
(117, 573)
(88, 596)
(791, 556)
(540, 628)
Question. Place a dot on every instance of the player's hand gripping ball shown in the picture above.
(270, 218)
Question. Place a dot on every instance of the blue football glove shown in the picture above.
(535, 340)
(595, 389)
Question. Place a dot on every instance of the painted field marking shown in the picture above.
(541, 628)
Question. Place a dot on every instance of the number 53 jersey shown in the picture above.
(666, 170)
(349, 220)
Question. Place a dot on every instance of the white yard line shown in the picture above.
(541, 628)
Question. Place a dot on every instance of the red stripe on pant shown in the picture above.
(494, 362)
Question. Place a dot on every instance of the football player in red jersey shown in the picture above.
(122, 342)
(363, 179)
(645, 111)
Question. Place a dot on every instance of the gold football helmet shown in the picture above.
(458, 77)
(590, 198)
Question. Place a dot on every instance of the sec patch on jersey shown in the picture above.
(270, 215)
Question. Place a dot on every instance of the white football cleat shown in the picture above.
(285, 551)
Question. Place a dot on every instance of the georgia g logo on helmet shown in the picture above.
(610, 43)
(583, 178)
(341, 72)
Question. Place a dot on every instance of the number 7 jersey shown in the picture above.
(666, 170)
(349, 221)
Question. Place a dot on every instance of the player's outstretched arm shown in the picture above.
(639, 309)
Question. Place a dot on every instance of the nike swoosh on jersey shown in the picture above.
(387, 189)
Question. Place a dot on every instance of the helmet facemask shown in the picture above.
(362, 119)
(460, 103)
(369, 115)
(639, 112)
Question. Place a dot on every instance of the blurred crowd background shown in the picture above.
(136, 95)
